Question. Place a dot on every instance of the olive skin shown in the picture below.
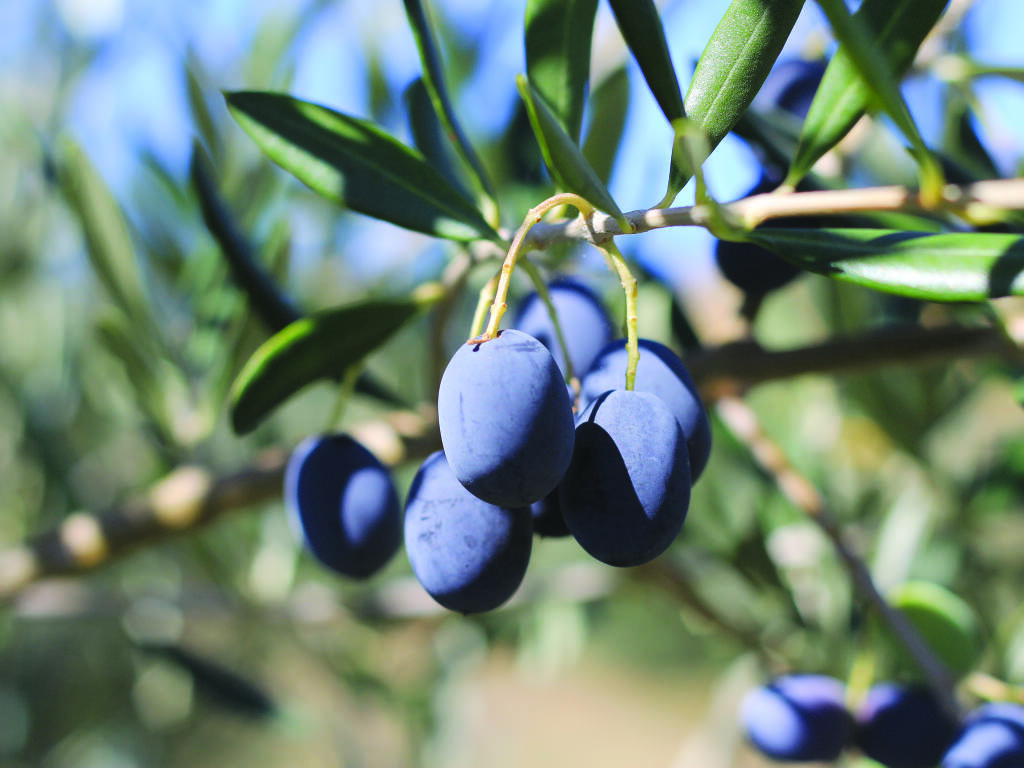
(342, 504)
(799, 718)
(470, 556)
(660, 372)
(506, 419)
(627, 490)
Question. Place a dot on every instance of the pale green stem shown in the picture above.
(545, 296)
(629, 287)
(480, 314)
(533, 217)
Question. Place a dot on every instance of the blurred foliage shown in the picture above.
(228, 646)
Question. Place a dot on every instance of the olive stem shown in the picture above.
(629, 288)
(533, 217)
(545, 296)
(483, 302)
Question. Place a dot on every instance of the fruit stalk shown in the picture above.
(629, 287)
(542, 291)
(533, 217)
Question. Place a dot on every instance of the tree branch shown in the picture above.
(191, 496)
(743, 422)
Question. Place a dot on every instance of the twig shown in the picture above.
(743, 422)
(1000, 194)
(733, 367)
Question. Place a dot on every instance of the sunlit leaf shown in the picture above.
(609, 104)
(735, 63)
(894, 31)
(564, 159)
(357, 164)
(937, 267)
(433, 78)
(558, 37)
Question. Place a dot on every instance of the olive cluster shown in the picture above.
(804, 718)
(518, 460)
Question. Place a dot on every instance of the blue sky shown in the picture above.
(132, 95)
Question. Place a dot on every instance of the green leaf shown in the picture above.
(427, 134)
(108, 243)
(433, 78)
(641, 28)
(735, 63)
(558, 37)
(609, 103)
(355, 163)
(643, 32)
(945, 622)
(564, 159)
(953, 266)
(894, 31)
(265, 298)
(322, 345)
(962, 142)
(202, 118)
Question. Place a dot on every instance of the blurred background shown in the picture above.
(229, 646)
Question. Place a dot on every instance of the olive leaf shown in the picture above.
(951, 266)
(892, 32)
(641, 28)
(433, 79)
(733, 67)
(558, 37)
(321, 345)
(357, 164)
(563, 157)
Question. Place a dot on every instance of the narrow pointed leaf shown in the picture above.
(735, 63)
(265, 298)
(936, 267)
(108, 244)
(427, 133)
(962, 141)
(322, 345)
(641, 28)
(218, 683)
(564, 159)
(558, 37)
(894, 31)
(202, 118)
(355, 163)
(609, 103)
(433, 78)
